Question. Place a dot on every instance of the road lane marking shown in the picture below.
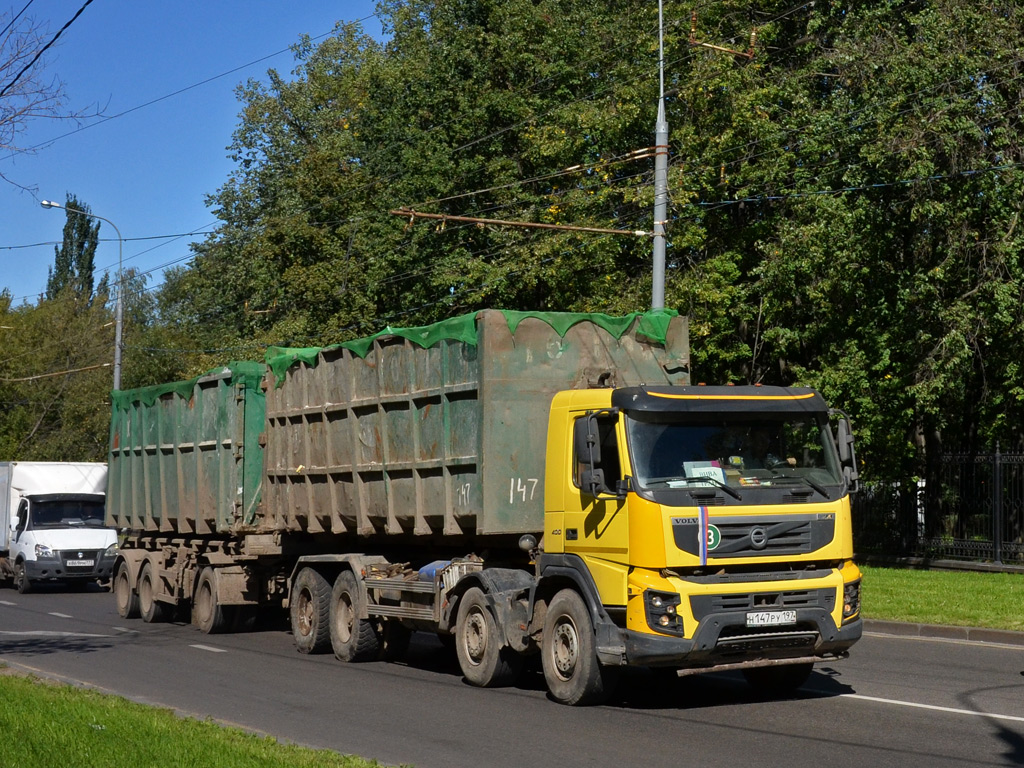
(61, 615)
(950, 640)
(934, 708)
(126, 630)
(47, 633)
(7, 602)
(209, 648)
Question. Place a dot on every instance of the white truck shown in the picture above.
(52, 523)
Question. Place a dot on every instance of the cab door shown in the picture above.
(597, 529)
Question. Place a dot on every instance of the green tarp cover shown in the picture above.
(653, 325)
(246, 372)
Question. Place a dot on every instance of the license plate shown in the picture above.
(770, 618)
(80, 563)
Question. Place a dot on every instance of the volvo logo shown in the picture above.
(758, 537)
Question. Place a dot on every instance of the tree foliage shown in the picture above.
(845, 204)
(75, 257)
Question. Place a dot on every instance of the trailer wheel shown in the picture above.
(127, 599)
(150, 608)
(569, 655)
(310, 610)
(21, 580)
(353, 638)
(780, 679)
(484, 661)
(207, 614)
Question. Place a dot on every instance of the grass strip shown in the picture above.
(957, 598)
(47, 724)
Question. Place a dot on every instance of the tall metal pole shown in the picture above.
(119, 306)
(660, 178)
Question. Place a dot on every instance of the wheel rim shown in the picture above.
(345, 617)
(565, 650)
(474, 636)
(122, 591)
(145, 591)
(205, 603)
(305, 612)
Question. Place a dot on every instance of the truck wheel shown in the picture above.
(352, 638)
(150, 608)
(775, 680)
(569, 656)
(310, 609)
(207, 614)
(21, 580)
(484, 661)
(127, 599)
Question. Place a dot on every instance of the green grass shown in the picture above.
(46, 724)
(958, 598)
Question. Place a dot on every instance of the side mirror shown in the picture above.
(586, 445)
(847, 455)
(592, 481)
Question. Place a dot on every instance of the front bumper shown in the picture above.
(66, 565)
(724, 639)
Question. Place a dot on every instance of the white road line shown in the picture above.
(209, 648)
(126, 630)
(951, 710)
(47, 633)
(7, 602)
(950, 640)
(61, 615)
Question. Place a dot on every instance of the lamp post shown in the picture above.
(119, 306)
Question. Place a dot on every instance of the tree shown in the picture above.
(74, 258)
(26, 92)
(845, 204)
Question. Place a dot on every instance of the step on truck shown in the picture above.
(52, 526)
(517, 483)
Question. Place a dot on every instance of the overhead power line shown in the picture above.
(42, 50)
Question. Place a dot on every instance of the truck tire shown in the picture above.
(353, 638)
(150, 608)
(126, 598)
(21, 580)
(778, 680)
(569, 655)
(310, 611)
(484, 661)
(208, 614)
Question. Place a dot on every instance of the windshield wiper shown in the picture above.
(803, 479)
(713, 480)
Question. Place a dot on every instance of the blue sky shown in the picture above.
(148, 171)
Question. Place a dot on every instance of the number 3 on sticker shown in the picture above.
(521, 489)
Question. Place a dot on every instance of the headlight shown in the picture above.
(661, 612)
(851, 601)
(111, 551)
(43, 551)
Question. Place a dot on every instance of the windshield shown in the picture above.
(67, 513)
(732, 451)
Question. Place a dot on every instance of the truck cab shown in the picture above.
(714, 523)
(53, 522)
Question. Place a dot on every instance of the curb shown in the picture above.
(944, 632)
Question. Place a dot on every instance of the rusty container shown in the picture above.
(396, 439)
(185, 458)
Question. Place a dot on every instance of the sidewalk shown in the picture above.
(970, 634)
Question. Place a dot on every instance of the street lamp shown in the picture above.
(119, 306)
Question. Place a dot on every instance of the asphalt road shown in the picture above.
(898, 701)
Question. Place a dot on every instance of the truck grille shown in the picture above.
(751, 536)
(705, 605)
(73, 559)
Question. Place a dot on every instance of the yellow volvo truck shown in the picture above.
(516, 483)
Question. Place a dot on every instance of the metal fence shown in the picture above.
(973, 509)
